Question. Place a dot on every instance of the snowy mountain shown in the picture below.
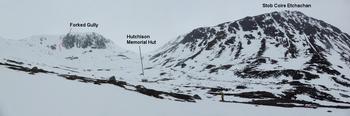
(273, 58)
(83, 53)
(284, 59)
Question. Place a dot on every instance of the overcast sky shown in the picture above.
(163, 20)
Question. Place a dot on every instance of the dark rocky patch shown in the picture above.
(157, 94)
(310, 29)
(321, 65)
(248, 24)
(335, 29)
(92, 40)
(241, 87)
(218, 37)
(53, 47)
(222, 48)
(292, 50)
(311, 92)
(262, 47)
(156, 81)
(211, 44)
(196, 97)
(273, 32)
(256, 94)
(249, 36)
(260, 60)
(123, 56)
(209, 66)
(230, 41)
(343, 77)
(344, 95)
(163, 73)
(199, 33)
(295, 74)
(223, 67)
(32, 70)
(138, 88)
(239, 49)
(286, 100)
(210, 89)
(344, 83)
(290, 35)
(279, 19)
(232, 27)
(216, 89)
(16, 62)
(72, 58)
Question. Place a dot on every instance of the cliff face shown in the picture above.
(85, 40)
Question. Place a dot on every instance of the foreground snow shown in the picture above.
(47, 95)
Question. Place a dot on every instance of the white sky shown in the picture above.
(162, 19)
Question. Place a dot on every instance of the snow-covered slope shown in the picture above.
(45, 94)
(83, 53)
(284, 56)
